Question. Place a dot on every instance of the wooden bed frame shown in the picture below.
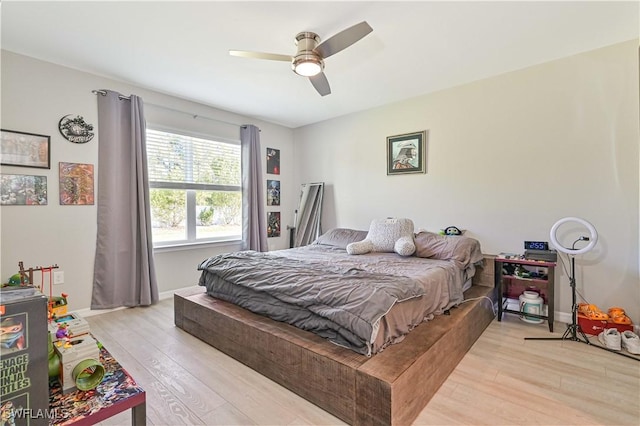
(390, 388)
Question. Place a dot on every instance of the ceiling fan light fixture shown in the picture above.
(309, 58)
(307, 66)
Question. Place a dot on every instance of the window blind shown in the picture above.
(187, 162)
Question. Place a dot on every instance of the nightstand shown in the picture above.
(513, 276)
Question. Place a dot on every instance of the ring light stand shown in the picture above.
(574, 331)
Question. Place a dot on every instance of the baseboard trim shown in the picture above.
(563, 317)
(88, 312)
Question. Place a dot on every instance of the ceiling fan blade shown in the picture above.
(321, 84)
(343, 39)
(261, 55)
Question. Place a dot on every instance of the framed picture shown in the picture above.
(407, 153)
(25, 149)
(273, 224)
(23, 190)
(273, 161)
(76, 184)
(273, 192)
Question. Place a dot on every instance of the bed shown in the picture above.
(367, 365)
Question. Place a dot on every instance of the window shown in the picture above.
(195, 189)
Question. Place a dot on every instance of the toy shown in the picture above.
(80, 364)
(451, 230)
(16, 279)
(58, 304)
(386, 236)
(54, 361)
(73, 323)
(62, 333)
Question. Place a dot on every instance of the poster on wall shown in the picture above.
(76, 184)
(25, 149)
(273, 161)
(273, 192)
(23, 190)
(407, 153)
(273, 224)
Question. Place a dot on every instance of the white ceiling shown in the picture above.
(181, 48)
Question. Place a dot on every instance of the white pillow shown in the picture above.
(360, 247)
(386, 236)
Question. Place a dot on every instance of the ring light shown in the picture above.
(574, 332)
(593, 239)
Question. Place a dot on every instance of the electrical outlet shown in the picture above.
(58, 277)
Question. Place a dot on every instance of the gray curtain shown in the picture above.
(124, 272)
(254, 221)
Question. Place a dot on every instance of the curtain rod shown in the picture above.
(123, 98)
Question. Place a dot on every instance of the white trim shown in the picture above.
(233, 244)
(564, 317)
(88, 312)
(191, 218)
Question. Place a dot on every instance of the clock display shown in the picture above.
(536, 245)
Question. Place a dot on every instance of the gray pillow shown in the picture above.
(456, 247)
(340, 237)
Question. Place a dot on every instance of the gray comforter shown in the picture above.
(343, 305)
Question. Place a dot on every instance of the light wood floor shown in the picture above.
(503, 379)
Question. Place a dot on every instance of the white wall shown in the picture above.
(507, 157)
(35, 95)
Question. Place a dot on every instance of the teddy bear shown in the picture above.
(387, 236)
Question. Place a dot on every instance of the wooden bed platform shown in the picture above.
(390, 388)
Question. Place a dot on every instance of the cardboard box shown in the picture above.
(24, 376)
(596, 327)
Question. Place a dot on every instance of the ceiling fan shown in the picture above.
(309, 59)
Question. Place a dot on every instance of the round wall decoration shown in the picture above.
(75, 129)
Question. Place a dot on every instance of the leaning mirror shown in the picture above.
(308, 214)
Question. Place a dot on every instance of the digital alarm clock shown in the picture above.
(539, 250)
(536, 245)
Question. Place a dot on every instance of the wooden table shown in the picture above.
(116, 393)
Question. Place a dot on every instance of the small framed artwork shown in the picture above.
(23, 190)
(25, 149)
(273, 192)
(273, 224)
(273, 161)
(76, 184)
(407, 153)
